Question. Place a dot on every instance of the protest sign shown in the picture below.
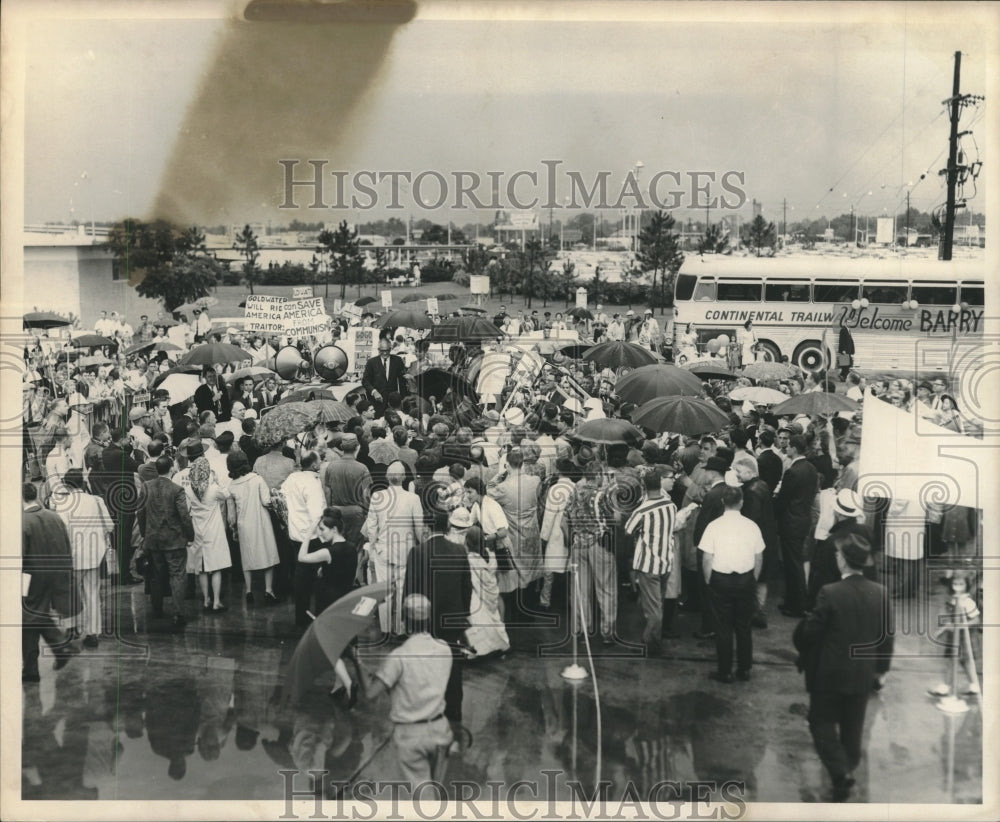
(338, 306)
(140, 399)
(302, 292)
(304, 317)
(493, 372)
(581, 298)
(386, 299)
(265, 312)
(361, 342)
(479, 285)
(432, 305)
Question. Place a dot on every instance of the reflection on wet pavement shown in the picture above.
(195, 716)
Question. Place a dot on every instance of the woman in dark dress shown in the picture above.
(337, 561)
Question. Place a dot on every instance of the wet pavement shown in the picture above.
(156, 715)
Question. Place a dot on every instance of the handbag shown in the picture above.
(501, 550)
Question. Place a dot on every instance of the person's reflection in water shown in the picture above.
(173, 711)
(215, 690)
(253, 687)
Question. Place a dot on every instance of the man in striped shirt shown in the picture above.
(652, 526)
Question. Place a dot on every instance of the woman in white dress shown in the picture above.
(747, 338)
(208, 554)
(687, 345)
(249, 519)
(552, 534)
(486, 631)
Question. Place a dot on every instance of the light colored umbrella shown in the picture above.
(757, 394)
(257, 372)
(180, 387)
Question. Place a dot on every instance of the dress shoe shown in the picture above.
(249, 598)
(725, 679)
(759, 621)
(704, 634)
(743, 676)
(90, 641)
(270, 598)
(842, 788)
(789, 612)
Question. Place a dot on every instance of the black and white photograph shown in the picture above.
(520, 410)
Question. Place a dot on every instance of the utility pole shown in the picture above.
(784, 218)
(907, 219)
(854, 233)
(952, 169)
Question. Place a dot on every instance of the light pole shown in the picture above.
(638, 223)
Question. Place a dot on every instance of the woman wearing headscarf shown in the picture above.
(208, 555)
(249, 519)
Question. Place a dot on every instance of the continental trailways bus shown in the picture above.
(892, 308)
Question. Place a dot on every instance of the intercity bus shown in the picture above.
(898, 311)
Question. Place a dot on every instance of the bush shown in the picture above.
(230, 277)
(461, 278)
(287, 274)
(437, 271)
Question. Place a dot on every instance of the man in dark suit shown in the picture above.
(165, 523)
(769, 464)
(383, 375)
(845, 646)
(712, 508)
(117, 484)
(845, 352)
(793, 508)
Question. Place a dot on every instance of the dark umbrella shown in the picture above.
(307, 394)
(576, 350)
(464, 329)
(213, 353)
(177, 369)
(435, 382)
(449, 296)
(661, 380)
(616, 354)
(44, 319)
(330, 411)
(325, 641)
(406, 318)
(365, 301)
(476, 308)
(680, 415)
(609, 431)
(579, 313)
(90, 341)
(712, 372)
(152, 345)
(282, 422)
(815, 402)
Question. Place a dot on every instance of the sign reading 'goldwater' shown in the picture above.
(268, 314)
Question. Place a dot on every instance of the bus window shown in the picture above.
(705, 291)
(739, 291)
(835, 291)
(934, 294)
(778, 292)
(972, 294)
(884, 293)
(685, 286)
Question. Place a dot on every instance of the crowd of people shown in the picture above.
(494, 508)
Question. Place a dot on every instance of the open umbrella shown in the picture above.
(256, 372)
(435, 382)
(576, 350)
(325, 641)
(707, 371)
(661, 380)
(330, 411)
(213, 353)
(406, 318)
(363, 301)
(616, 354)
(770, 371)
(464, 329)
(680, 415)
(475, 308)
(815, 402)
(609, 431)
(95, 359)
(307, 394)
(282, 422)
(179, 386)
(152, 345)
(201, 302)
(44, 319)
(165, 322)
(579, 313)
(90, 341)
(758, 395)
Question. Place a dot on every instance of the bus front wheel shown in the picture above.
(810, 356)
(767, 351)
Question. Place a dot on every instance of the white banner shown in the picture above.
(338, 306)
(432, 305)
(265, 312)
(304, 317)
(302, 292)
(479, 284)
(493, 372)
(386, 299)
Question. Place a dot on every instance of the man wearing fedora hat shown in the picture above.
(848, 517)
(844, 645)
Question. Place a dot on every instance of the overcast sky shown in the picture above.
(189, 118)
